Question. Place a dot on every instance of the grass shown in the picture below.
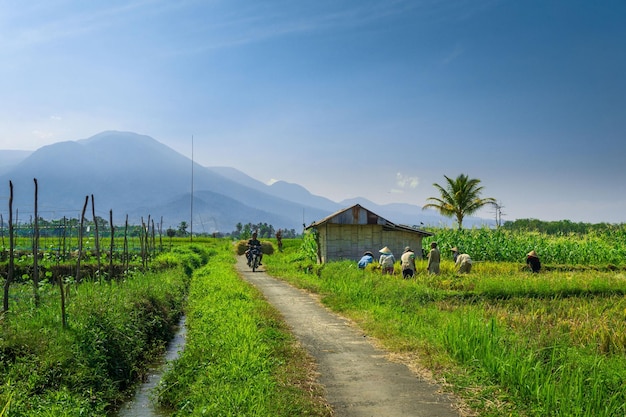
(239, 358)
(506, 341)
(114, 330)
(86, 369)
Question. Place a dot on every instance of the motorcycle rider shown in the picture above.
(254, 242)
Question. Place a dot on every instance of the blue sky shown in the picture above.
(371, 98)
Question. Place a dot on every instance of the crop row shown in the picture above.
(507, 341)
(502, 245)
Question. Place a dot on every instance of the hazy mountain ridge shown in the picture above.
(399, 213)
(10, 158)
(136, 175)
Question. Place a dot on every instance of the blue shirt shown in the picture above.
(365, 260)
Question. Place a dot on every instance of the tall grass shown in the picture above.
(511, 342)
(87, 368)
(239, 358)
(555, 379)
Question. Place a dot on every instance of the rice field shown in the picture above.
(505, 340)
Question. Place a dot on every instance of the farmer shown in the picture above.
(279, 239)
(386, 260)
(254, 242)
(533, 262)
(366, 259)
(462, 261)
(434, 258)
(407, 261)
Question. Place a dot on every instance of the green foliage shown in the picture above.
(190, 257)
(117, 327)
(555, 379)
(508, 341)
(239, 357)
(263, 230)
(563, 227)
(166, 260)
(502, 245)
(182, 229)
(114, 331)
(308, 250)
(459, 197)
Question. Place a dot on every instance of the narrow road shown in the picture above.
(358, 378)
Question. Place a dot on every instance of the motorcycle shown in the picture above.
(254, 257)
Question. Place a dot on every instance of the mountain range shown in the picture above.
(136, 176)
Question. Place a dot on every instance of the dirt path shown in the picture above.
(358, 378)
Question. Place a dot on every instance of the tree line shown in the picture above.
(560, 227)
(264, 230)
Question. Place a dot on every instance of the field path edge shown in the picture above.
(358, 378)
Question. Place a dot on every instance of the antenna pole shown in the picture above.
(191, 203)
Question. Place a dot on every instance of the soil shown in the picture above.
(359, 378)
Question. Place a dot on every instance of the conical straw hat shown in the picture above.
(385, 250)
(532, 253)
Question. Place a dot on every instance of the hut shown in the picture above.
(348, 233)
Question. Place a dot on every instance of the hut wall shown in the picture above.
(398, 240)
(349, 241)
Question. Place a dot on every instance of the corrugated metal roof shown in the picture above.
(358, 214)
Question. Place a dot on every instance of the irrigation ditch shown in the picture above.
(142, 404)
(359, 379)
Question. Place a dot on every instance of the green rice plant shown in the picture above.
(239, 358)
(555, 379)
(510, 342)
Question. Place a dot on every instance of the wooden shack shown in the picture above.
(348, 233)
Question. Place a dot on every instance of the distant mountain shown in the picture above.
(136, 176)
(9, 159)
(295, 192)
(281, 189)
(214, 212)
(399, 213)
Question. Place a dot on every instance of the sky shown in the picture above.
(378, 99)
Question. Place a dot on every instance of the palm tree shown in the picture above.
(459, 198)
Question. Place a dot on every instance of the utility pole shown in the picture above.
(499, 214)
(191, 204)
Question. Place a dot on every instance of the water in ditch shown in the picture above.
(142, 404)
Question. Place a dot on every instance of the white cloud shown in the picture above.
(405, 181)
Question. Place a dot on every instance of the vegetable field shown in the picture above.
(600, 249)
(506, 341)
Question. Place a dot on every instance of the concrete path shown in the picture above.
(358, 378)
